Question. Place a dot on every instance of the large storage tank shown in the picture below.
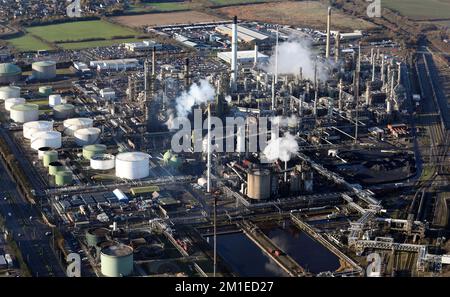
(54, 100)
(44, 70)
(132, 165)
(258, 184)
(46, 139)
(22, 113)
(95, 236)
(87, 136)
(103, 162)
(117, 260)
(55, 167)
(72, 125)
(9, 73)
(49, 157)
(63, 111)
(13, 101)
(36, 126)
(93, 149)
(63, 178)
(9, 92)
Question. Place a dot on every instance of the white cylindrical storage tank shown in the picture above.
(46, 139)
(72, 125)
(102, 162)
(44, 70)
(63, 111)
(26, 112)
(87, 136)
(9, 92)
(13, 101)
(54, 100)
(36, 126)
(132, 165)
(116, 260)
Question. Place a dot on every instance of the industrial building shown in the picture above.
(244, 57)
(142, 46)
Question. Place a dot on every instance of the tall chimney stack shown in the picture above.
(255, 63)
(337, 52)
(187, 73)
(154, 61)
(234, 49)
(327, 53)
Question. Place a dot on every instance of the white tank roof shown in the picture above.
(133, 156)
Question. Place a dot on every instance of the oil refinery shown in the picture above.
(231, 148)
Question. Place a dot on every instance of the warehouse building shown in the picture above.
(244, 34)
(115, 65)
(243, 57)
(142, 46)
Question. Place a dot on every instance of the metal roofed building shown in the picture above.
(115, 65)
(243, 57)
(244, 34)
(142, 46)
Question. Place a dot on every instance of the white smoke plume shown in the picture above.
(281, 148)
(228, 98)
(169, 122)
(296, 54)
(197, 94)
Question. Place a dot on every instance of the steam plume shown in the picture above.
(197, 94)
(281, 148)
(296, 54)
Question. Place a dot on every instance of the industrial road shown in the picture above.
(23, 221)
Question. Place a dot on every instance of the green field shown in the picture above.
(90, 44)
(80, 31)
(159, 6)
(420, 9)
(28, 42)
(233, 2)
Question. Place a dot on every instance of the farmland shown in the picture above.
(159, 6)
(28, 43)
(420, 9)
(305, 13)
(158, 19)
(80, 31)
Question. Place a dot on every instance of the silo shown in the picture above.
(94, 149)
(46, 139)
(49, 157)
(87, 136)
(54, 167)
(258, 184)
(54, 100)
(44, 70)
(45, 90)
(9, 92)
(132, 165)
(10, 102)
(36, 126)
(9, 73)
(63, 111)
(117, 260)
(103, 162)
(63, 178)
(72, 125)
(42, 151)
(22, 113)
(95, 236)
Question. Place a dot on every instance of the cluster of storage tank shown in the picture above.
(261, 184)
(116, 259)
(129, 165)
